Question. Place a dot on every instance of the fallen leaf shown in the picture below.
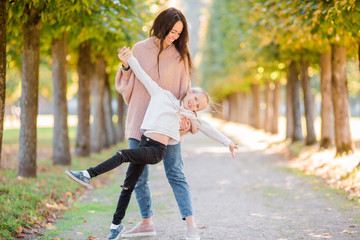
(92, 238)
(49, 226)
(69, 194)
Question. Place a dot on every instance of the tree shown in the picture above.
(327, 112)
(30, 84)
(97, 92)
(2, 67)
(340, 99)
(61, 147)
(109, 126)
(308, 102)
(276, 108)
(256, 112)
(295, 100)
(84, 67)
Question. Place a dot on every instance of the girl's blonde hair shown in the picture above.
(201, 90)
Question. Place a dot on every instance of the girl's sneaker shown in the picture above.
(79, 177)
(116, 233)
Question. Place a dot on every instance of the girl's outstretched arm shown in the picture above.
(215, 134)
(127, 58)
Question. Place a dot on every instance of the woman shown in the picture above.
(165, 57)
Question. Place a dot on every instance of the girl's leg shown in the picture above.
(106, 166)
(142, 189)
(148, 152)
(132, 175)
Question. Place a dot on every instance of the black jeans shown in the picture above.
(148, 152)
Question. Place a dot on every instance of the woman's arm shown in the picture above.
(125, 79)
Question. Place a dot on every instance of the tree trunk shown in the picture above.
(234, 106)
(2, 67)
(269, 109)
(61, 148)
(244, 109)
(29, 95)
(121, 117)
(289, 106)
(97, 91)
(359, 71)
(295, 99)
(340, 98)
(84, 66)
(255, 111)
(308, 103)
(327, 111)
(109, 127)
(276, 108)
(226, 109)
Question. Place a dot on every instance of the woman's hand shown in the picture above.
(232, 148)
(185, 124)
(188, 126)
(123, 55)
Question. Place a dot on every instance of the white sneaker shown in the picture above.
(192, 233)
(140, 231)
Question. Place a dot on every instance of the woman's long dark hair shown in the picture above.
(161, 27)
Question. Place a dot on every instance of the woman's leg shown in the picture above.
(173, 164)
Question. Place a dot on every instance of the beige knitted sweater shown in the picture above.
(173, 77)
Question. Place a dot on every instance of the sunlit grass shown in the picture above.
(44, 136)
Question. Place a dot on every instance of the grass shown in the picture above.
(28, 203)
(44, 136)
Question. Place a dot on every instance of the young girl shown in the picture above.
(160, 128)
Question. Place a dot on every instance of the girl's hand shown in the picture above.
(232, 148)
(123, 55)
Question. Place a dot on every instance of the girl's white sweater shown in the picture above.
(164, 111)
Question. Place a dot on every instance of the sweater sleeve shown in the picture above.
(125, 80)
(151, 86)
(213, 133)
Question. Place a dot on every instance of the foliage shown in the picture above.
(254, 41)
(108, 25)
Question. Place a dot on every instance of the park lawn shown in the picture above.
(28, 204)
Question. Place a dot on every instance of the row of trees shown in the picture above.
(80, 36)
(268, 41)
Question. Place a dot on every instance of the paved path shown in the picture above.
(251, 197)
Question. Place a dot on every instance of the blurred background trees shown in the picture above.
(73, 46)
(262, 61)
(312, 45)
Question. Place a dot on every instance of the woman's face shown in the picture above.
(173, 34)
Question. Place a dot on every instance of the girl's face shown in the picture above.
(195, 101)
(173, 34)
